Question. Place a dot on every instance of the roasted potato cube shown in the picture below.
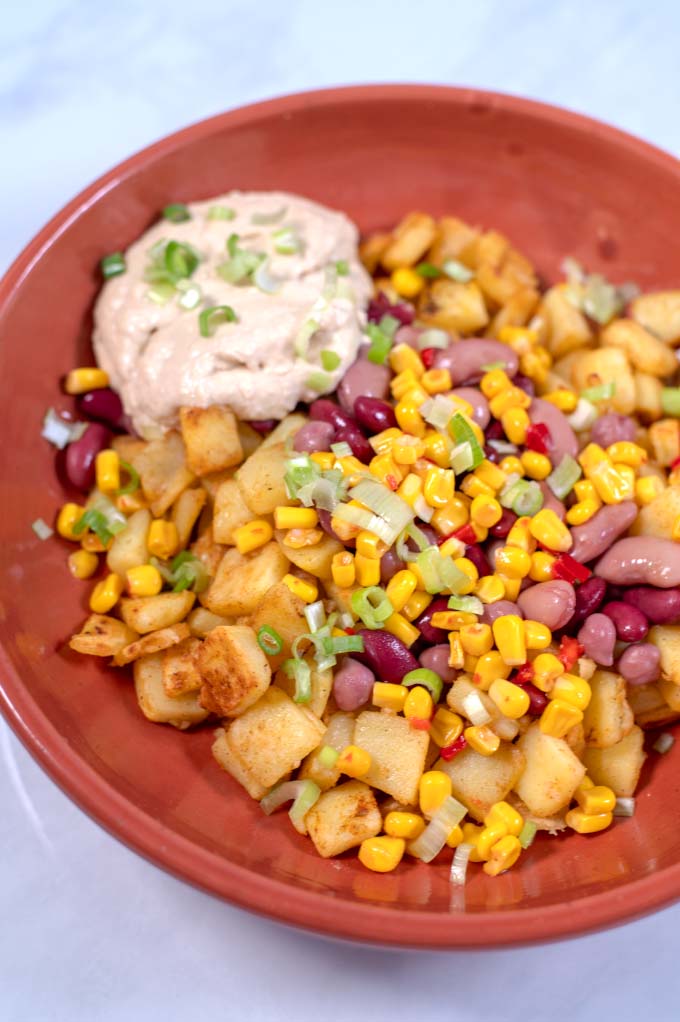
(230, 762)
(372, 248)
(664, 437)
(163, 471)
(410, 241)
(516, 312)
(645, 351)
(129, 548)
(185, 512)
(208, 551)
(128, 447)
(212, 482)
(551, 775)
(671, 694)
(603, 365)
(211, 439)
(260, 479)
(342, 818)
(454, 238)
(285, 430)
(150, 613)
(180, 673)
(659, 516)
(317, 559)
(649, 707)
(458, 308)
(242, 580)
(618, 766)
(479, 781)
(102, 636)
(249, 437)
(181, 711)
(339, 734)
(273, 736)
(567, 328)
(233, 669)
(230, 512)
(153, 642)
(659, 312)
(397, 754)
(608, 718)
(321, 682)
(285, 613)
(666, 638)
(648, 397)
(202, 621)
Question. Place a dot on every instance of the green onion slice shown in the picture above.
(527, 833)
(342, 268)
(561, 480)
(133, 479)
(319, 382)
(161, 293)
(269, 640)
(462, 432)
(287, 241)
(372, 605)
(220, 213)
(389, 325)
(330, 360)
(263, 219)
(670, 401)
(190, 294)
(391, 514)
(210, 319)
(176, 213)
(380, 344)
(343, 644)
(427, 678)
(180, 260)
(467, 604)
(457, 271)
(490, 366)
(42, 529)
(188, 572)
(328, 756)
(113, 265)
(433, 338)
(95, 521)
(341, 450)
(428, 270)
(301, 672)
(430, 843)
(602, 393)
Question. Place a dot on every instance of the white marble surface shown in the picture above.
(89, 931)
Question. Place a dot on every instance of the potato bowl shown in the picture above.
(556, 183)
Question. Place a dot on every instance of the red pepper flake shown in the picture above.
(420, 723)
(466, 534)
(569, 652)
(449, 751)
(524, 674)
(569, 569)
(392, 482)
(538, 438)
(674, 464)
(350, 631)
(427, 355)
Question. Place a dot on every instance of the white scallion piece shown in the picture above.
(474, 709)
(42, 529)
(60, 432)
(624, 807)
(433, 838)
(460, 864)
(664, 742)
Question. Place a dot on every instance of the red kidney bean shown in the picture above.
(314, 436)
(325, 522)
(537, 700)
(381, 306)
(352, 684)
(263, 425)
(81, 454)
(611, 428)
(504, 524)
(499, 609)
(353, 436)
(525, 384)
(431, 634)
(366, 379)
(474, 553)
(641, 560)
(495, 431)
(373, 414)
(103, 405)
(551, 502)
(323, 410)
(639, 664)
(436, 659)
(390, 564)
(464, 359)
(480, 406)
(597, 534)
(597, 635)
(551, 603)
(660, 606)
(562, 437)
(630, 623)
(386, 655)
(589, 596)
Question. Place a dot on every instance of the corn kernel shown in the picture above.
(91, 542)
(520, 535)
(513, 397)
(598, 467)
(295, 517)
(476, 639)
(402, 383)
(437, 448)
(569, 688)
(515, 423)
(455, 838)
(468, 568)
(307, 591)
(488, 473)
(446, 727)
(471, 835)
(627, 477)
(511, 465)
(520, 338)
(434, 787)
(585, 823)
(107, 469)
(368, 570)
(418, 704)
(489, 589)
(648, 489)
(452, 547)
(343, 570)
(400, 588)
(488, 668)
(511, 700)
(409, 418)
(128, 503)
(491, 835)
(596, 799)
(403, 357)
(627, 453)
(369, 545)
(537, 635)
(106, 594)
(388, 696)
(547, 528)
(508, 632)
(252, 535)
(536, 466)
(494, 382)
(585, 490)
(299, 539)
(547, 669)
(675, 531)
(406, 825)
(382, 442)
(79, 381)
(381, 854)
(512, 587)
(485, 510)
(162, 539)
(406, 450)
(513, 562)
(582, 511)
(558, 718)
(417, 603)
(82, 563)
(351, 468)
(482, 739)
(472, 486)
(503, 855)
(144, 580)
(324, 459)
(469, 663)
(353, 761)
(400, 626)
(531, 365)
(69, 515)
(456, 653)
(407, 282)
(456, 514)
(565, 400)
(439, 486)
(410, 489)
(436, 381)
(503, 813)
(345, 530)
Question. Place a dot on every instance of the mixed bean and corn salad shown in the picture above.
(436, 610)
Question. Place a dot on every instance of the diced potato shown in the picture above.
(664, 437)
(551, 775)
(618, 766)
(129, 549)
(567, 327)
(202, 621)
(286, 429)
(551, 824)
(576, 739)
(516, 312)
(230, 762)
(153, 642)
(242, 580)
(208, 551)
(211, 439)
(185, 512)
(181, 711)
(372, 248)
(249, 437)
(260, 479)
(339, 734)
(233, 669)
(212, 482)
(659, 516)
(458, 308)
(666, 638)
(180, 673)
(647, 397)
(608, 718)
(410, 241)
(102, 636)
(321, 682)
(150, 613)
(462, 687)
(317, 559)
(479, 781)
(341, 597)
(645, 351)
(649, 707)
(660, 313)
(604, 365)
(230, 512)
(454, 237)
(128, 447)
(283, 611)
(272, 737)
(671, 694)
(342, 818)
(163, 471)
(397, 753)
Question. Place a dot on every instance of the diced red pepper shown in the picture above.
(449, 751)
(350, 631)
(427, 355)
(569, 652)
(524, 674)
(538, 438)
(392, 482)
(674, 464)
(569, 569)
(420, 723)
(466, 534)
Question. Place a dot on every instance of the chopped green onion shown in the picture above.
(190, 294)
(451, 576)
(457, 271)
(427, 678)
(286, 241)
(301, 672)
(503, 447)
(269, 640)
(343, 644)
(97, 522)
(391, 513)
(315, 615)
(42, 529)
(461, 458)
(328, 756)
(389, 325)
(330, 360)
(380, 345)
(430, 843)
(341, 450)
(524, 498)
(304, 336)
(664, 742)
(490, 366)
(459, 864)
(468, 604)
(462, 432)
(624, 807)
(427, 563)
(180, 260)
(475, 710)
(301, 472)
(264, 280)
(263, 219)
(583, 416)
(420, 539)
(133, 479)
(527, 833)
(210, 319)
(113, 265)
(422, 509)
(342, 268)
(602, 393)
(220, 213)
(561, 480)
(241, 264)
(188, 572)
(433, 339)
(307, 797)
(670, 401)
(428, 270)
(437, 411)
(372, 605)
(161, 293)
(60, 432)
(176, 213)
(319, 382)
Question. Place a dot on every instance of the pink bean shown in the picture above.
(103, 405)
(464, 359)
(323, 410)
(551, 603)
(597, 534)
(263, 426)
(390, 564)
(639, 664)
(480, 406)
(589, 596)
(500, 609)
(562, 437)
(366, 379)
(598, 638)
(386, 655)
(660, 606)
(81, 454)
(641, 560)
(630, 623)
(436, 658)
(352, 685)
(314, 436)
(551, 502)
(408, 335)
(611, 428)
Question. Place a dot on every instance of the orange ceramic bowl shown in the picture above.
(556, 183)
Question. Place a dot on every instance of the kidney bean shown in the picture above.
(430, 534)
(464, 359)
(630, 623)
(597, 534)
(551, 502)
(81, 454)
(504, 524)
(495, 431)
(551, 603)
(562, 437)
(537, 699)
(480, 406)
(598, 638)
(645, 560)
(390, 564)
(436, 659)
(353, 436)
(381, 306)
(366, 379)
(525, 384)
(325, 522)
(352, 684)
(103, 405)
(639, 664)
(660, 606)
(323, 410)
(263, 426)
(314, 436)
(373, 414)
(474, 553)
(611, 428)
(589, 596)
(386, 655)
(433, 635)
(499, 609)
(408, 335)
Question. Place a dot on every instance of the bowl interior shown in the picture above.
(558, 185)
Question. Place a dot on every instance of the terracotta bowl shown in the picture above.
(557, 184)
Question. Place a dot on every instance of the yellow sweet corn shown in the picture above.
(488, 668)
(627, 477)
(353, 761)
(585, 490)
(439, 486)
(406, 450)
(537, 635)
(472, 487)
(503, 855)
(79, 381)
(476, 639)
(511, 700)
(403, 357)
(489, 589)
(402, 383)
(452, 547)
(367, 569)
(536, 466)
(485, 510)
(345, 530)
(511, 465)
(565, 400)
(381, 854)
(295, 517)
(369, 545)
(520, 338)
(382, 442)
(520, 535)
(494, 382)
(628, 453)
(162, 539)
(416, 604)
(409, 418)
(586, 823)
(456, 514)
(436, 381)
(508, 633)
(306, 590)
(599, 469)
(400, 626)
(547, 528)
(648, 489)
(541, 566)
(82, 563)
(547, 669)
(489, 474)
(452, 619)
(446, 727)
(130, 502)
(91, 541)
(106, 594)
(512, 562)
(405, 825)
(558, 718)
(482, 739)
(69, 515)
(455, 838)
(471, 835)
(410, 489)
(252, 535)
(515, 423)
(388, 696)
(298, 539)
(107, 470)
(468, 568)
(343, 571)
(418, 704)
(598, 798)
(456, 653)
(513, 397)
(400, 589)
(324, 459)
(502, 813)
(434, 787)
(490, 835)
(582, 511)
(675, 531)
(512, 587)
(569, 688)
(144, 580)
(351, 468)
(437, 448)
(407, 282)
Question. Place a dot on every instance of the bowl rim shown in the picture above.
(207, 870)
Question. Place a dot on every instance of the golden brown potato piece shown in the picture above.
(454, 238)
(339, 734)
(233, 669)
(185, 512)
(479, 781)
(286, 429)
(211, 439)
(649, 707)
(410, 241)
(608, 718)
(202, 621)
(317, 559)
(163, 471)
(664, 437)
(372, 248)
(342, 818)
(102, 636)
(285, 613)
(128, 447)
(397, 754)
(659, 312)
(671, 694)
(458, 308)
(567, 328)
(321, 682)
(551, 775)
(516, 312)
(260, 479)
(249, 437)
(645, 351)
(208, 551)
(129, 548)
(180, 673)
(230, 762)
(242, 580)
(230, 512)
(150, 613)
(154, 642)
(603, 365)
(181, 711)
(212, 482)
(666, 638)
(618, 766)
(659, 516)
(647, 397)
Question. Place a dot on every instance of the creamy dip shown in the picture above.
(310, 302)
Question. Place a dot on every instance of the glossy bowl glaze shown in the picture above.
(556, 183)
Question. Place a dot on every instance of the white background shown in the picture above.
(88, 931)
